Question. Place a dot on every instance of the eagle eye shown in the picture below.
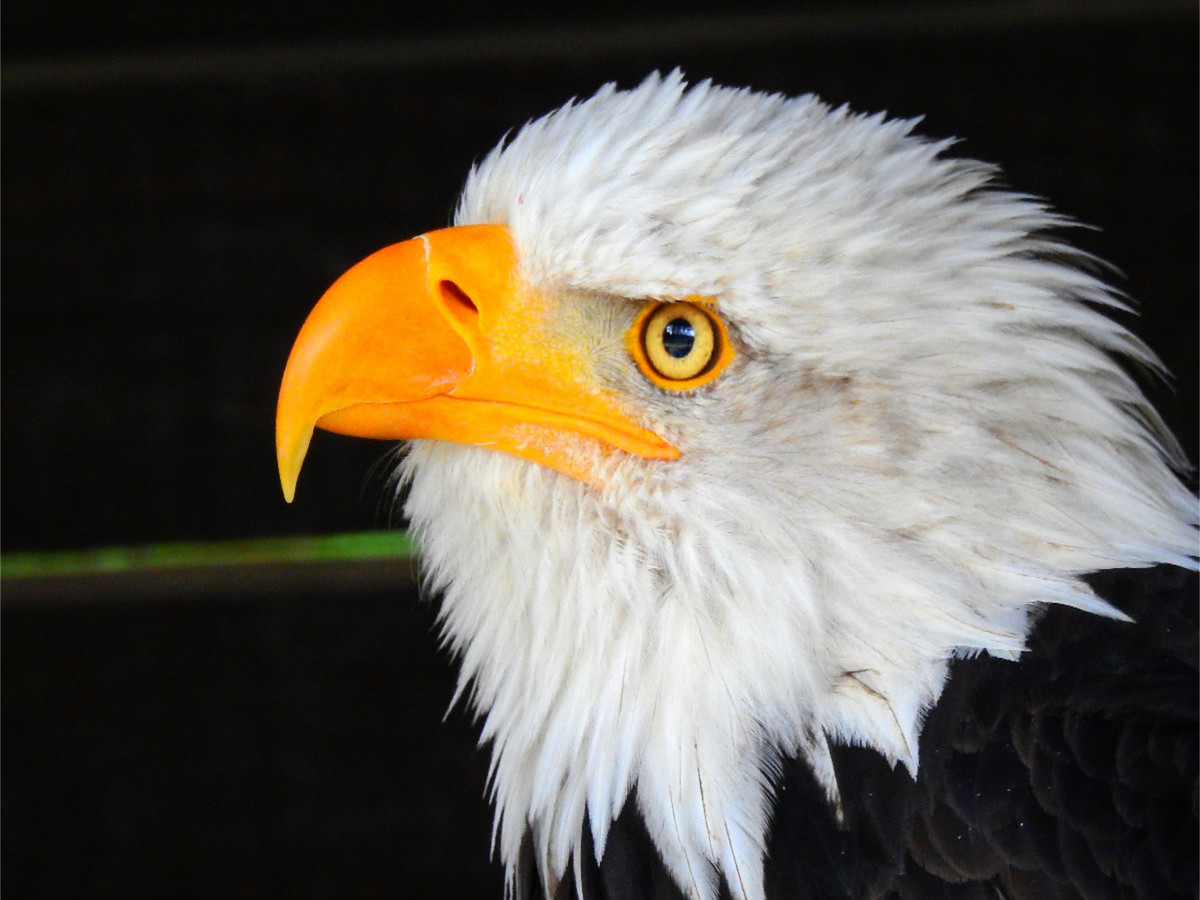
(679, 345)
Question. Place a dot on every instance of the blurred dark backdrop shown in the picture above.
(181, 182)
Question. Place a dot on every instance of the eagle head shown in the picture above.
(734, 418)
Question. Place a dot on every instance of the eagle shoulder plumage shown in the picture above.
(764, 456)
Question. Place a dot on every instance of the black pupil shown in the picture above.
(678, 338)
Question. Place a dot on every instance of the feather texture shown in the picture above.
(926, 437)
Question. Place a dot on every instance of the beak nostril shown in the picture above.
(457, 302)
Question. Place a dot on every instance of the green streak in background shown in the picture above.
(251, 551)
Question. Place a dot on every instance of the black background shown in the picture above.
(180, 184)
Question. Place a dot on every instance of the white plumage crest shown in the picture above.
(924, 437)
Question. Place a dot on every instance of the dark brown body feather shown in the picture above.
(1069, 774)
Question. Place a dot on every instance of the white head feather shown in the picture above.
(923, 438)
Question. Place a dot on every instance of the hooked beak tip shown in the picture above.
(289, 454)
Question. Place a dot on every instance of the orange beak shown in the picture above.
(436, 337)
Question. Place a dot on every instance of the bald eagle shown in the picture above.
(781, 479)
